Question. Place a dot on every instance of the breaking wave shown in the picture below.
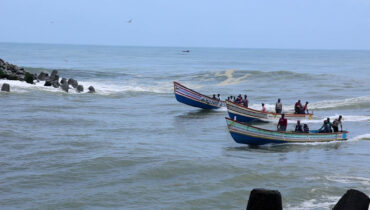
(357, 102)
(101, 87)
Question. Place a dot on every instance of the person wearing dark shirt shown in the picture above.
(336, 124)
(305, 128)
(329, 124)
(298, 127)
(283, 123)
(245, 101)
(325, 128)
(298, 107)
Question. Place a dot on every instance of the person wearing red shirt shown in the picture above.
(283, 123)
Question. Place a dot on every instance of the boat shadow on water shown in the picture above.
(198, 114)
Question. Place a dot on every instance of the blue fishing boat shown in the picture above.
(245, 114)
(192, 98)
(247, 134)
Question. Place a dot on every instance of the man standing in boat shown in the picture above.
(336, 123)
(245, 101)
(283, 123)
(278, 107)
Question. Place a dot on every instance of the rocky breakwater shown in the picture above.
(12, 72)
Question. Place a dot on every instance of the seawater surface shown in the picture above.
(133, 146)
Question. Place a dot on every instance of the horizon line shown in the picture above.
(185, 47)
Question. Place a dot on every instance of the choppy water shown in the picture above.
(133, 146)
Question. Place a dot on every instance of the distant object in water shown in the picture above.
(129, 21)
(186, 51)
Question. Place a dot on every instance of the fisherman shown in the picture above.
(283, 123)
(305, 108)
(278, 107)
(336, 123)
(214, 96)
(305, 128)
(330, 124)
(263, 107)
(218, 97)
(298, 127)
(245, 101)
(298, 107)
(325, 127)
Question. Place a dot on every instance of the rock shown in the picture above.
(54, 75)
(91, 89)
(47, 83)
(353, 200)
(29, 78)
(5, 87)
(265, 199)
(43, 76)
(12, 77)
(55, 84)
(2, 74)
(73, 82)
(64, 86)
(63, 81)
(80, 88)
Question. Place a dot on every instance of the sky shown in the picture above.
(297, 24)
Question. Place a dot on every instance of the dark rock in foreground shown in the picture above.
(353, 200)
(29, 78)
(80, 88)
(63, 81)
(264, 199)
(55, 84)
(64, 86)
(43, 76)
(54, 75)
(47, 83)
(5, 87)
(91, 89)
(73, 82)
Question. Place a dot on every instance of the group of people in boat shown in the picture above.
(299, 109)
(239, 100)
(327, 127)
(217, 97)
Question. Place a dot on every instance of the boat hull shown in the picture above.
(247, 134)
(192, 98)
(194, 103)
(248, 115)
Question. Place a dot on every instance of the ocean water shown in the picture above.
(133, 146)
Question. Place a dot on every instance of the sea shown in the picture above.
(131, 145)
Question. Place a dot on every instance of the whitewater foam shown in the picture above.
(324, 203)
(102, 87)
(230, 80)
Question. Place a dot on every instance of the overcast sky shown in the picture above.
(308, 24)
